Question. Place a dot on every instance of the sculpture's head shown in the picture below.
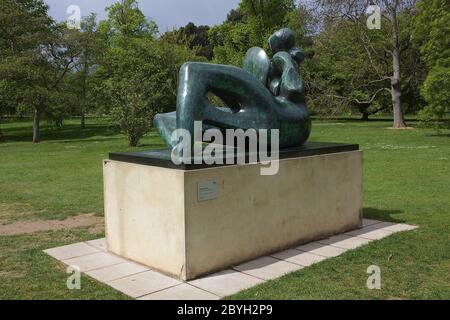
(284, 40)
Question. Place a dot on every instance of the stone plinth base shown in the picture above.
(187, 223)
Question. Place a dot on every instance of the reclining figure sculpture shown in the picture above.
(264, 94)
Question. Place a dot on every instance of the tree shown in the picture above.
(48, 67)
(37, 54)
(268, 14)
(86, 64)
(138, 73)
(125, 22)
(22, 23)
(193, 37)
(431, 32)
(249, 25)
(338, 75)
(391, 11)
(141, 81)
(437, 95)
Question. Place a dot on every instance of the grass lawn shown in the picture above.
(407, 179)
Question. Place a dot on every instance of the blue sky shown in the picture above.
(166, 13)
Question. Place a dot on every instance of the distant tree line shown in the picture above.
(125, 68)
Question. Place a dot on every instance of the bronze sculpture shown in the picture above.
(264, 94)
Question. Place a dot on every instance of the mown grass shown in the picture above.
(61, 176)
(406, 179)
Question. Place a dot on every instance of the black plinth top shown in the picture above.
(162, 157)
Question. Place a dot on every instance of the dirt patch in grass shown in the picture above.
(402, 128)
(31, 226)
(12, 274)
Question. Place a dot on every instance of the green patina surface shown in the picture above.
(264, 94)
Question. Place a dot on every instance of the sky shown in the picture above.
(166, 13)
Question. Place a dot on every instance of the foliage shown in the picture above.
(22, 25)
(51, 72)
(36, 56)
(431, 32)
(193, 37)
(141, 81)
(248, 26)
(138, 73)
(339, 76)
(437, 94)
(81, 80)
(125, 21)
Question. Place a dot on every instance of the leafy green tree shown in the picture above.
(81, 81)
(36, 56)
(393, 36)
(249, 25)
(431, 32)
(235, 16)
(270, 13)
(141, 81)
(21, 24)
(339, 76)
(437, 94)
(138, 73)
(193, 37)
(125, 22)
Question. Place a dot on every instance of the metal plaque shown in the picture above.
(207, 190)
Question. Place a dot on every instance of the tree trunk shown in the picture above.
(396, 93)
(84, 98)
(133, 141)
(365, 116)
(396, 90)
(83, 120)
(36, 128)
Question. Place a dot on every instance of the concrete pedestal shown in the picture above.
(187, 223)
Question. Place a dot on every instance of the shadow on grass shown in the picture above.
(440, 135)
(153, 145)
(359, 120)
(383, 215)
(67, 132)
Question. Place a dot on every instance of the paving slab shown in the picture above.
(267, 268)
(100, 244)
(226, 282)
(143, 283)
(372, 232)
(182, 291)
(299, 257)
(322, 249)
(396, 227)
(94, 261)
(368, 222)
(71, 251)
(345, 241)
(117, 271)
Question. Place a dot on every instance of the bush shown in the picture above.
(140, 80)
(436, 92)
(132, 113)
